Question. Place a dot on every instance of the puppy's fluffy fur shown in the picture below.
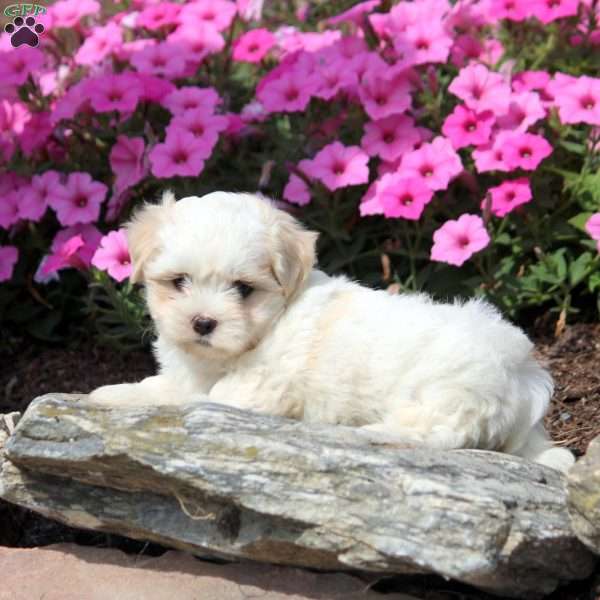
(291, 341)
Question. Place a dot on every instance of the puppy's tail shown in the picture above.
(539, 448)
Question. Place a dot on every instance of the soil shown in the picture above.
(29, 371)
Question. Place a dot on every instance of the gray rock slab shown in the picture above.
(215, 480)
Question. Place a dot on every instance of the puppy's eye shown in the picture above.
(179, 282)
(244, 289)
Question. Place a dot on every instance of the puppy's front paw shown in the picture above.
(124, 394)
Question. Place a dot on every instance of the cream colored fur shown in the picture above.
(324, 349)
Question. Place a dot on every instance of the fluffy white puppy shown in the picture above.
(243, 319)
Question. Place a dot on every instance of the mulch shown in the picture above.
(29, 371)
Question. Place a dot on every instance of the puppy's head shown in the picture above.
(219, 270)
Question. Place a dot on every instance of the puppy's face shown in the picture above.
(219, 270)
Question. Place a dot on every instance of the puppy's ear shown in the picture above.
(142, 237)
(293, 252)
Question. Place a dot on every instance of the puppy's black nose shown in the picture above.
(204, 326)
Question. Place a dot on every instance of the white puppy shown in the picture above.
(244, 320)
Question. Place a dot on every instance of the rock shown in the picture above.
(583, 483)
(211, 479)
(70, 572)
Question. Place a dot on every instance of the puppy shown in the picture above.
(243, 319)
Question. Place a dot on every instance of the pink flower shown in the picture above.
(592, 226)
(164, 58)
(36, 197)
(286, 94)
(404, 197)
(90, 235)
(203, 125)
(65, 256)
(72, 102)
(550, 10)
(580, 101)
(126, 161)
(524, 110)
(508, 195)
(196, 42)
(9, 209)
(436, 162)
(355, 14)
(218, 13)
(113, 255)
(338, 166)
(99, 44)
(382, 98)
(513, 10)
(391, 137)
(334, 78)
(427, 42)
(465, 127)
(525, 150)
(527, 81)
(491, 156)
(481, 89)
(8, 259)
(154, 88)
(18, 63)
(253, 46)
(250, 10)
(456, 241)
(180, 154)
(35, 133)
(160, 15)
(296, 191)
(67, 13)
(119, 92)
(191, 98)
(79, 200)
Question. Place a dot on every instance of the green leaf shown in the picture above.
(578, 269)
(579, 221)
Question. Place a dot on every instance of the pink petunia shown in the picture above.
(157, 16)
(19, 63)
(512, 10)
(36, 132)
(196, 42)
(580, 101)
(180, 154)
(391, 137)
(338, 166)
(154, 89)
(404, 197)
(286, 94)
(490, 157)
(465, 127)
(456, 241)
(72, 102)
(36, 197)
(525, 150)
(191, 98)
(113, 255)
(296, 191)
(592, 226)
(525, 109)
(90, 235)
(65, 256)
(250, 10)
(508, 195)
(333, 79)
(217, 13)
(481, 89)
(100, 44)
(165, 59)
(427, 42)
(253, 46)
(551, 10)
(436, 162)
(355, 14)
(126, 161)
(527, 81)
(203, 125)
(79, 200)
(9, 255)
(120, 92)
(68, 13)
(9, 209)
(382, 98)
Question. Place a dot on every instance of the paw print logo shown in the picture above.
(24, 31)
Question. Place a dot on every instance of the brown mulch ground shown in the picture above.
(573, 421)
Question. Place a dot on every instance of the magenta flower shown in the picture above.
(155, 89)
(9, 255)
(164, 58)
(391, 137)
(436, 162)
(382, 98)
(180, 154)
(481, 89)
(288, 93)
(191, 98)
(428, 42)
(550, 10)
(113, 255)
(334, 78)
(525, 109)
(90, 235)
(296, 191)
(100, 44)
(79, 200)
(404, 197)
(9, 209)
(217, 13)
(580, 102)
(338, 166)
(35, 133)
(512, 10)
(491, 156)
(67, 255)
(159, 15)
(354, 14)
(203, 125)
(253, 46)
(67, 13)
(524, 150)
(527, 81)
(18, 63)
(127, 162)
(119, 92)
(592, 226)
(36, 197)
(465, 127)
(508, 195)
(456, 241)
(197, 41)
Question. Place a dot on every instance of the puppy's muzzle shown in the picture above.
(204, 326)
